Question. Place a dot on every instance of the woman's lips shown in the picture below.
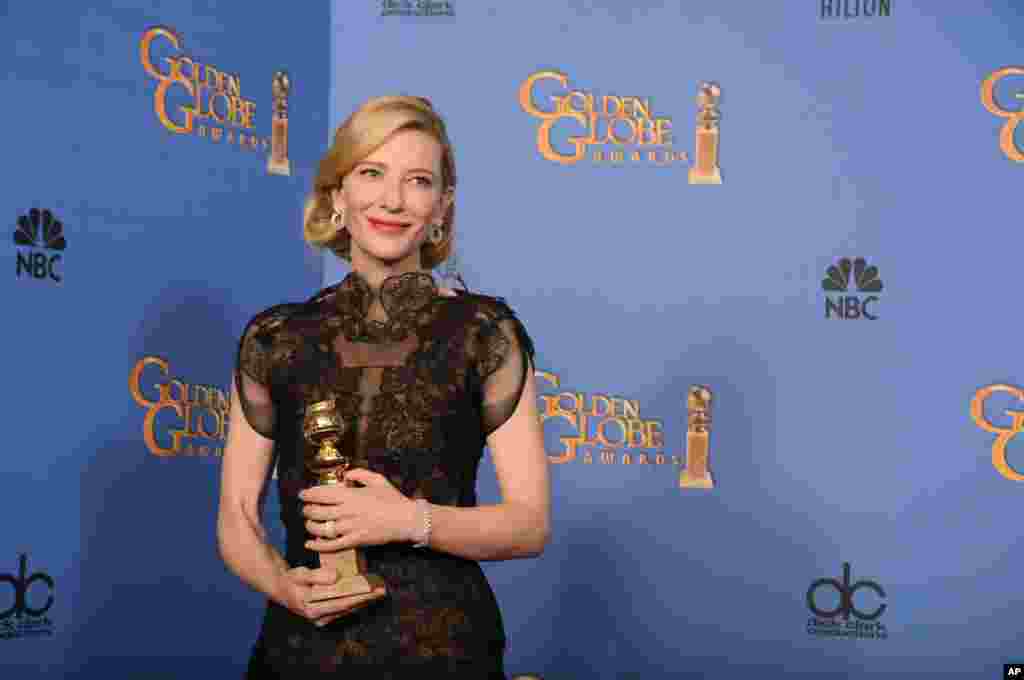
(387, 226)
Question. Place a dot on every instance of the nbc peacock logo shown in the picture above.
(838, 278)
(43, 235)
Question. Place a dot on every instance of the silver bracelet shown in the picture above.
(423, 536)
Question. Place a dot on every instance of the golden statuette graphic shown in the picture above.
(698, 430)
(705, 168)
(278, 163)
(323, 427)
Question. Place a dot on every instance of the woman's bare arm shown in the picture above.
(240, 534)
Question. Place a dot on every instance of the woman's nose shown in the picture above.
(393, 198)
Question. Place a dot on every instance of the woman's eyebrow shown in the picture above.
(384, 165)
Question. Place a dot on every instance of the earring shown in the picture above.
(437, 234)
(338, 219)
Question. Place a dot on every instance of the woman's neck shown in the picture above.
(376, 273)
(403, 288)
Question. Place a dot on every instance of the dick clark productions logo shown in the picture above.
(826, 622)
(28, 620)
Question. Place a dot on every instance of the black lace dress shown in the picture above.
(426, 385)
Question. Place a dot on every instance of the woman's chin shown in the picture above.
(390, 255)
(388, 251)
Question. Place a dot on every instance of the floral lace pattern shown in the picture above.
(420, 390)
(402, 297)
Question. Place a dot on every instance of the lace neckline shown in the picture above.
(402, 296)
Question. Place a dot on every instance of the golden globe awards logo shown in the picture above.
(182, 419)
(210, 102)
(604, 428)
(620, 129)
(610, 121)
(1003, 434)
(1013, 117)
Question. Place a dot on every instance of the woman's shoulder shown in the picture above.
(493, 312)
(487, 307)
(283, 315)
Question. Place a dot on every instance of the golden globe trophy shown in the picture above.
(323, 427)
(698, 429)
(278, 163)
(705, 168)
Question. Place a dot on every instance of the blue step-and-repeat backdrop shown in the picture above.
(805, 206)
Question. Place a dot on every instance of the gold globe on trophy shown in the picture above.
(698, 431)
(323, 428)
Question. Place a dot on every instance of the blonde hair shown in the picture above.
(369, 127)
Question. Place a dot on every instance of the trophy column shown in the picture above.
(323, 428)
(705, 168)
(698, 430)
(278, 163)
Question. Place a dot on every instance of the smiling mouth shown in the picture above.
(389, 226)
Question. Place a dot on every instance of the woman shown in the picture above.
(424, 379)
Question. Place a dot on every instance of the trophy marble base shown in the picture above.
(696, 474)
(692, 481)
(348, 587)
(713, 177)
(353, 579)
(279, 168)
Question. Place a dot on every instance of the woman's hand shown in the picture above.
(374, 514)
(339, 516)
(297, 589)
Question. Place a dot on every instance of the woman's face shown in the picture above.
(391, 199)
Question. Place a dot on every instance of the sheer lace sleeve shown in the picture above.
(504, 361)
(254, 370)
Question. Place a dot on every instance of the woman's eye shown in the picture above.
(369, 170)
(425, 181)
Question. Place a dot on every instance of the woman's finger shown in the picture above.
(318, 512)
(323, 576)
(326, 620)
(306, 577)
(300, 574)
(327, 544)
(350, 538)
(329, 610)
(328, 529)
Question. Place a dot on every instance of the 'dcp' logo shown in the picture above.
(846, 593)
(21, 586)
